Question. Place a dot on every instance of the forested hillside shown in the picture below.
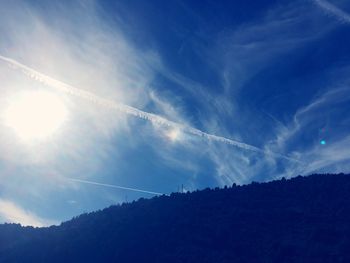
(304, 219)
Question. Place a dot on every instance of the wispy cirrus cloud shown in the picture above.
(333, 10)
(241, 54)
(320, 120)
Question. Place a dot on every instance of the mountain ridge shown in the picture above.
(302, 219)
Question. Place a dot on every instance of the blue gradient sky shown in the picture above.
(270, 74)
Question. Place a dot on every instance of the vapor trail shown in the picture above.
(155, 119)
(328, 7)
(114, 186)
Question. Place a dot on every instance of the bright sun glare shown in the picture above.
(35, 115)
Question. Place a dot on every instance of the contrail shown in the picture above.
(115, 186)
(328, 7)
(155, 119)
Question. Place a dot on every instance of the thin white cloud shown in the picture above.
(115, 186)
(241, 54)
(333, 10)
(12, 213)
(248, 48)
(332, 157)
(155, 119)
(305, 116)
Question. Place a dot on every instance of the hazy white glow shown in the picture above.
(35, 115)
(12, 213)
(173, 135)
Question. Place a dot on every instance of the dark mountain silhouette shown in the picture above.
(305, 219)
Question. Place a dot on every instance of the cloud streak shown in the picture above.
(329, 8)
(115, 186)
(153, 118)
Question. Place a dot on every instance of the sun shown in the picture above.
(35, 115)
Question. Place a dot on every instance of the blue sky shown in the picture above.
(159, 94)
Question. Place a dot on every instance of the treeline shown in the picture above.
(304, 219)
